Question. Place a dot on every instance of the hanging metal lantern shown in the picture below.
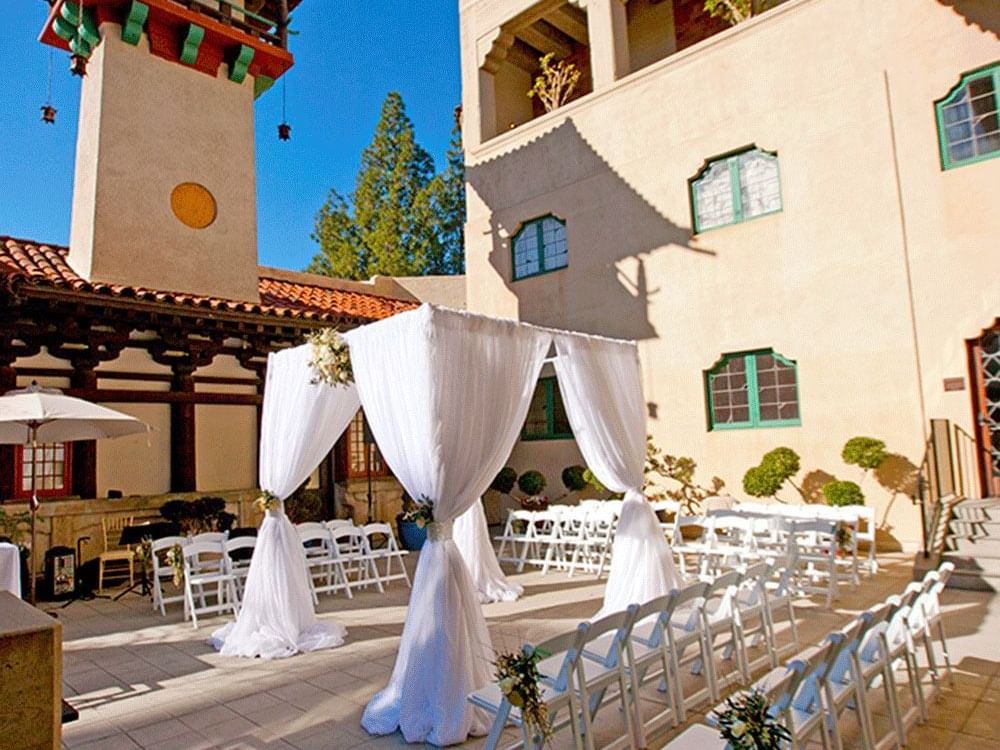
(48, 114)
(284, 131)
(78, 65)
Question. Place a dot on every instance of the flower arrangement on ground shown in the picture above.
(175, 559)
(266, 501)
(746, 723)
(518, 678)
(331, 358)
(421, 513)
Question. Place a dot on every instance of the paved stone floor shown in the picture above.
(141, 680)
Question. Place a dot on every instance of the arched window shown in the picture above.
(752, 389)
(735, 188)
(539, 247)
(967, 118)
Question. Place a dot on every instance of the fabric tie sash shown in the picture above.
(439, 531)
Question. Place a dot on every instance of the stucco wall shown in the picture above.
(155, 124)
(843, 91)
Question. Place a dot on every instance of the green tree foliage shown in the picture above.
(504, 481)
(841, 493)
(736, 11)
(866, 452)
(401, 219)
(776, 467)
(573, 478)
(531, 482)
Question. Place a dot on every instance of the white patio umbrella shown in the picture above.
(36, 415)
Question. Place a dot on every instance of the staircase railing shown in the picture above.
(965, 451)
(945, 471)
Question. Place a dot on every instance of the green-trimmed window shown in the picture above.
(752, 389)
(539, 246)
(968, 118)
(546, 416)
(734, 189)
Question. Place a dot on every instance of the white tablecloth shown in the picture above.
(10, 569)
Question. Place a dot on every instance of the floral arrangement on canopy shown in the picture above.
(746, 723)
(421, 513)
(331, 358)
(266, 501)
(518, 678)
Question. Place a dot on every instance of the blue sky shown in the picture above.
(349, 54)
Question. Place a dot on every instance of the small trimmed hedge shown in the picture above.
(840, 493)
(573, 478)
(504, 481)
(531, 482)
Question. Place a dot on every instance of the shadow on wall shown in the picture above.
(981, 13)
(618, 222)
(811, 488)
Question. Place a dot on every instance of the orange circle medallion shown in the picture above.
(193, 205)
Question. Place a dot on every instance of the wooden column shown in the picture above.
(83, 464)
(183, 465)
(8, 381)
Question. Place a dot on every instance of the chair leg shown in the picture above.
(944, 650)
(131, 573)
(498, 724)
(100, 576)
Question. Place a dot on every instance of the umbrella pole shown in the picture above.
(34, 511)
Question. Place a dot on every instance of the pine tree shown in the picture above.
(399, 221)
(450, 205)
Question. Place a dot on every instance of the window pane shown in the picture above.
(560, 422)
(728, 385)
(526, 252)
(713, 197)
(759, 186)
(971, 125)
(776, 401)
(554, 243)
(537, 422)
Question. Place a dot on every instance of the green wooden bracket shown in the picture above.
(71, 13)
(80, 47)
(132, 28)
(88, 29)
(239, 66)
(261, 84)
(192, 43)
(63, 28)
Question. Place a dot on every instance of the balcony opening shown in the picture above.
(513, 62)
(651, 33)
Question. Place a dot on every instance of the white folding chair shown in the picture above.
(648, 659)
(753, 614)
(874, 664)
(865, 533)
(720, 619)
(930, 604)
(205, 576)
(350, 548)
(593, 550)
(843, 683)
(899, 647)
(781, 598)
(693, 548)
(559, 685)
(684, 628)
(163, 572)
(519, 530)
(805, 714)
(387, 550)
(239, 552)
(813, 544)
(603, 666)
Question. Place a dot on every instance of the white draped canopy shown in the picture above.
(445, 394)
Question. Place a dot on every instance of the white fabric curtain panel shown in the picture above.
(601, 385)
(472, 537)
(300, 422)
(445, 394)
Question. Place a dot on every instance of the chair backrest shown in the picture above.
(619, 622)
(334, 523)
(112, 527)
(216, 537)
(810, 667)
(313, 537)
(166, 542)
(348, 539)
(193, 556)
(777, 686)
(383, 530)
(240, 542)
(569, 644)
(877, 620)
(310, 526)
(718, 502)
(660, 607)
(847, 642)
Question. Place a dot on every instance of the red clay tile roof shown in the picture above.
(38, 264)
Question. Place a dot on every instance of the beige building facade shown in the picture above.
(768, 197)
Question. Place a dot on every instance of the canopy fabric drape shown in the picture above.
(300, 422)
(601, 386)
(445, 394)
(472, 537)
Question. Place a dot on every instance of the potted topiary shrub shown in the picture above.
(411, 524)
(573, 478)
(865, 452)
(775, 468)
(531, 483)
(840, 493)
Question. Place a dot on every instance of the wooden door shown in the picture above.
(984, 361)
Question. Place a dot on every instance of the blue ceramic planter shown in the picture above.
(411, 536)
